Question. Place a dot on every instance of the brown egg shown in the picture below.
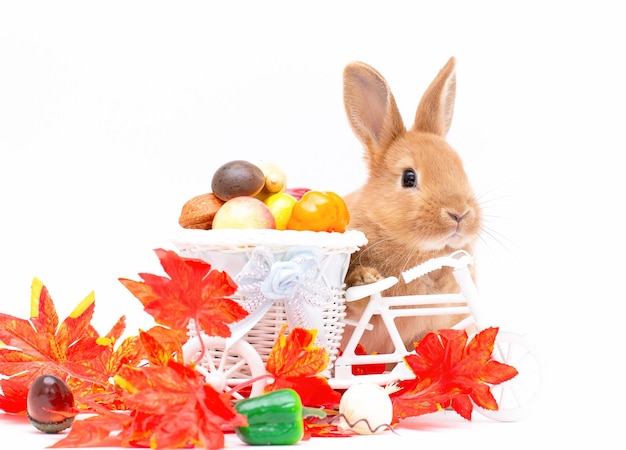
(236, 179)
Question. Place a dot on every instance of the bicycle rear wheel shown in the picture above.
(515, 397)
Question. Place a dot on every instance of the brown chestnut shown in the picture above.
(50, 403)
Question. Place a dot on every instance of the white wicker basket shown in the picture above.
(229, 250)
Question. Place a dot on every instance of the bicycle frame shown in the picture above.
(464, 302)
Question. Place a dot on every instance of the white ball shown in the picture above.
(365, 401)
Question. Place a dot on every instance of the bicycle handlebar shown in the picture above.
(456, 260)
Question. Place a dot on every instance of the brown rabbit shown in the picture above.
(417, 202)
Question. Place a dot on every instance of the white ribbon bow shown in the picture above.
(294, 279)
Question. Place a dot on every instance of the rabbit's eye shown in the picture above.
(409, 178)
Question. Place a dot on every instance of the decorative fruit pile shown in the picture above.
(247, 195)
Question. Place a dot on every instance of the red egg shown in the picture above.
(50, 403)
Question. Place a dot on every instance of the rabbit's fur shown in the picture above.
(416, 203)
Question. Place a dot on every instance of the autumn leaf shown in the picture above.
(296, 363)
(326, 430)
(450, 372)
(104, 367)
(169, 406)
(193, 291)
(295, 355)
(161, 345)
(43, 345)
(14, 392)
(99, 430)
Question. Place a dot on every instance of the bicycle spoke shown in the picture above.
(235, 368)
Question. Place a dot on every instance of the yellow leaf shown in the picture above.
(83, 305)
(35, 293)
(104, 341)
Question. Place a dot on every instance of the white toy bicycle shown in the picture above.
(514, 397)
(230, 362)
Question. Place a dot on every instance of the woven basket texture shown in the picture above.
(229, 251)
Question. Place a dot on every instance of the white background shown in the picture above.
(113, 114)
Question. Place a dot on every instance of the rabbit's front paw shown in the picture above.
(362, 275)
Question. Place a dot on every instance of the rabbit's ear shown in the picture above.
(371, 108)
(435, 111)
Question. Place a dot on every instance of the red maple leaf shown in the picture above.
(296, 363)
(193, 291)
(172, 408)
(72, 349)
(451, 373)
(315, 428)
(99, 430)
(104, 366)
(158, 346)
(169, 405)
(172, 340)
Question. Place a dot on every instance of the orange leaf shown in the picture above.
(14, 392)
(156, 353)
(99, 430)
(450, 372)
(325, 429)
(105, 366)
(294, 355)
(171, 340)
(314, 391)
(193, 291)
(173, 405)
(72, 349)
(296, 363)
(169, 406)
(86, 392)
(495, 372)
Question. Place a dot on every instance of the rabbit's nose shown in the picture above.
(457, 217)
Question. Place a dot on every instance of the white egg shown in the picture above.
(365, 401)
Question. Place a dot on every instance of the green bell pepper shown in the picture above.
(275, 418)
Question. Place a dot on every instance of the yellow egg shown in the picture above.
(281, 205)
